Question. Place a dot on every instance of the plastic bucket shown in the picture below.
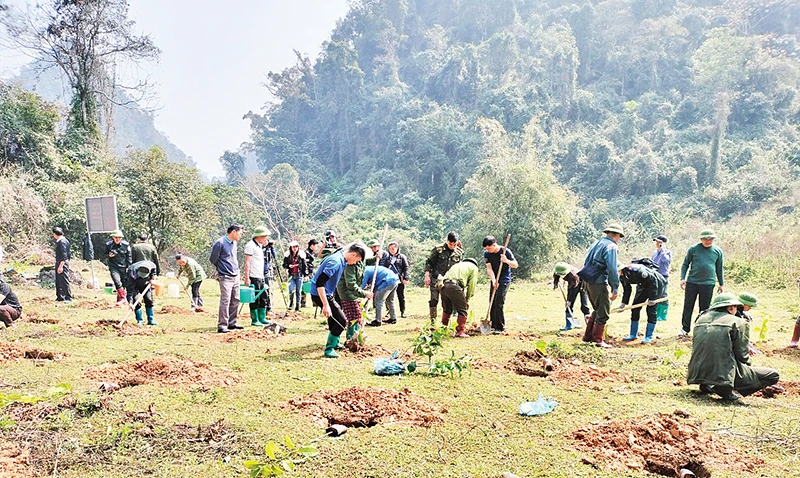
(173, 291)
(109, 289)
(306, 287)
(158, 288)
(247, 295)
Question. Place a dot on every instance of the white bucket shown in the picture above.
(173, 291)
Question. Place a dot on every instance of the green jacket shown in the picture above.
(704, 265)
(720, 351)
(466, 274)
(349, 286)
(192, 271)
(142, 251)
(441, 259)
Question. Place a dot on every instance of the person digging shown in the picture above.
(457, 288)
(195, 275)
(720, 361)
(650, 286)
(569, 274)
(142, 275)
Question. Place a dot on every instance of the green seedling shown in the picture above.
(762, 331)
(281, 460)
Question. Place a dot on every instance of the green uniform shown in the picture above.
(349, 286)
(440, 260)
(458, 287)
(720, 355)
(142, 251)
(192, 271)
(465, 273)
(704, 265)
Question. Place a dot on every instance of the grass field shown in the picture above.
(121, 434)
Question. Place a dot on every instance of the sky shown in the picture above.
(214, 58)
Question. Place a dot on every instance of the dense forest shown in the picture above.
(539, 118)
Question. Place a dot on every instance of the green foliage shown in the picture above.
(27, 130)
(431, 340)
(451, 366)
(428, 343)
(59, 390)
(762, 331)
(281, 459)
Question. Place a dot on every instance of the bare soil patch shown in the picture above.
(287, 316)
(17, 351)
(14, 461)
(528, 363)
(483, 364)
(171, 309)
(256, 334)
(352, 348)
(368, 406)
(38, 317)
(162, 371)
(98, 304)
(660, 444)
(103, 326)
(780, 389)
(525, 337)
(567, 374)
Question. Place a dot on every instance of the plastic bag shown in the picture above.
(541, 406)
(389, 366)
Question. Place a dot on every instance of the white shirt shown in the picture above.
(254, 255)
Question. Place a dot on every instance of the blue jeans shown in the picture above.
(296, 288)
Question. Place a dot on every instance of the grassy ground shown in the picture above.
(482, 434)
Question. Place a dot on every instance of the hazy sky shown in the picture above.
(214, 57)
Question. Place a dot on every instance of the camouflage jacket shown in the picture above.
(441, 259)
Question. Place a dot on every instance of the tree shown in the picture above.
(86, 40)
(233, 164)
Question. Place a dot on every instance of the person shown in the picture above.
(10, 308)
(311, 252)
(749, 301)
(598, 273)
(398, 263)
(499, 263)
(295, 263)
(457, 289)
(440, 260)
(650, 286)
(701, 269)
(324, 285)
(144, 251)
(351, 292)
(142, 275)
(375, 246)
(63, 255)
(254, 275)
(386, 283)
(331, 245)
(796, 334)
(223, 257)
(569, 274)
(195, 275)
(662, 258)
(118, 254)
(270, 260)
(720, 361)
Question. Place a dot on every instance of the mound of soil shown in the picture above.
(162, 371)
(528, 364)
(255, 334)
(103, 326)
(14, 461)
(781, 388)
(368, 406)
(16, 351)
(661, 444)
(287, 316)
(365, 350)
(38, 317)
(98, 304)
(171, 309)
(575, 374)
(482, 364)
(525, 337)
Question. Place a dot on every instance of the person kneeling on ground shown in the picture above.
(650, 286)
(142, 274)
(195, 275)
(10, 308)
(458, 287)
(386, 283)
(569, 274)
(748, 301)
(720, 360)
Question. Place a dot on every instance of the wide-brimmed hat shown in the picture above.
(707, 234)
(748, 299)
(261, 231)
(374, 244)
(116, 233)
(614, 227)
(561, 269)
(724, 300)
(660, 238)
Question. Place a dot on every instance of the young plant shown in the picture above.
(762, 331)
(430, 341)
(451, 366)
(281, 460)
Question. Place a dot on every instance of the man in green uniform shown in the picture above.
(720, 360)
(441, 259)
(703, 263)
(458, 287)
(144, 251)
(118, 254)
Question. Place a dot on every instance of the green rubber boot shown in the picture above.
(351, 331)
(262, 316)
(330, 346)
(254, 318)
(149, 312)
(138, 313)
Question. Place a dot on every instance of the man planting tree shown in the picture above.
(457, 289)
(10, 308)
(569, 274)
(650, 286)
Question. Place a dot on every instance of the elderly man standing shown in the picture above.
(118, 253)
(703, 263)
(662, 258)
(598, 273)
(223, 257)
(440, 260)
(63, 292)
(720, 360)
(254, 275)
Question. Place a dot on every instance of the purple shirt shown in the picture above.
(662, 258)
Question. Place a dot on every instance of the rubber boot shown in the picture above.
(587, 334)
(661, 311)
(149, 312)
(350, 332)
(291, 301)
(262, 316)
(461, 327)
(445, 319)
(121, 295)
(648, 333)
(254, 316)
(598, 332)
(433, 314)
(138, 313)
(795, 336)
(330, 346)
(569, 323)
(634, 332)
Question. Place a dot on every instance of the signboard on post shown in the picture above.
(101, 214)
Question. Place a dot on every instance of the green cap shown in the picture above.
(561, 269)
(614, 227)
(374, 243)
(261, 231)
(746, 298)
(116, 233)
(707, 234)
(469, 259)
(724, 300)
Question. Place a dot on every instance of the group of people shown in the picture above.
(721, 349)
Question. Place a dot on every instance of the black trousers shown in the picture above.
(453, 299)
(693, 292)
(118, 277)
(572, 294)
(138, 286)
(63, 291)
(401, 297)
(261, 300)
(197, 301)
(337, 322)
(497, 314)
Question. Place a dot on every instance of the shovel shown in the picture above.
(191, 300)
(641, 304)
(133, 307)
(486, 326)
(575, 321)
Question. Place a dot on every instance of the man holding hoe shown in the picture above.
(598, 273)
(499, 262)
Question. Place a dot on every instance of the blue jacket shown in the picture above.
(662, 258)
(223, 256)
(333, 267)
(603, 255)
(386, 278)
